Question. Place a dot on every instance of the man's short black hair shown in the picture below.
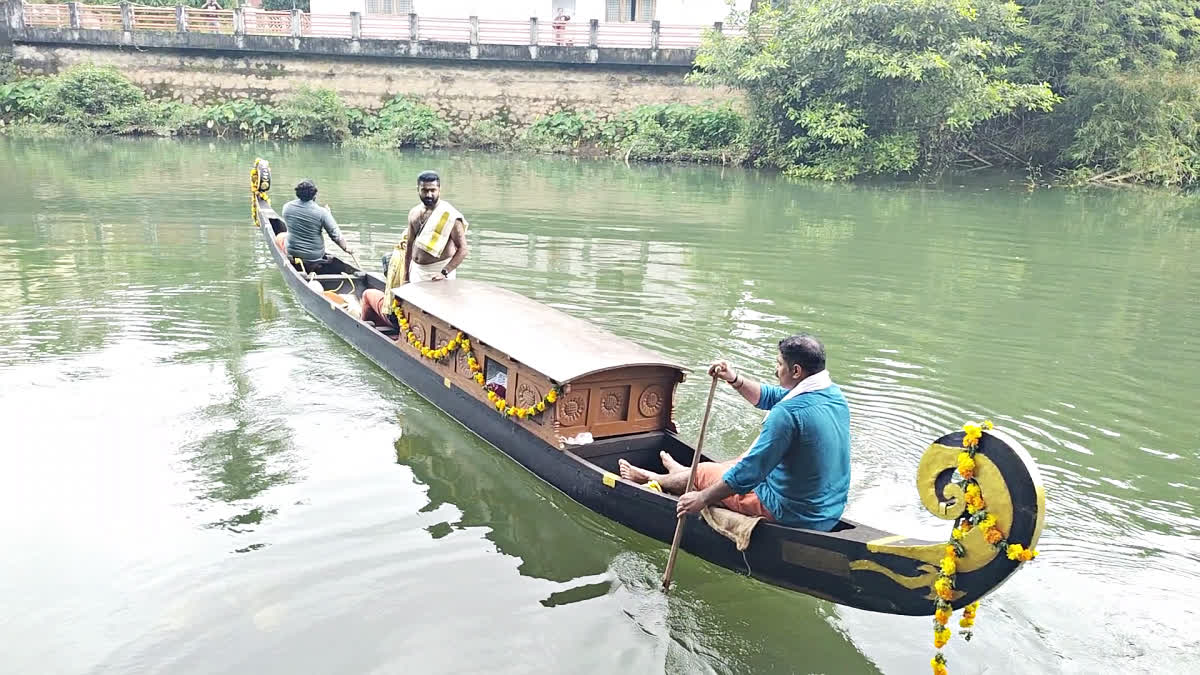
(429, 177)
(803, 350)
(306, 190)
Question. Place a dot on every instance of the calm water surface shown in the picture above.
(198, 478)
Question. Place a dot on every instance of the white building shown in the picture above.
(677, 12)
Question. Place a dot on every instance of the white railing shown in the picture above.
(475, 31)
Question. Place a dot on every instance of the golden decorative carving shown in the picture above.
(924, 580)
(945, 500)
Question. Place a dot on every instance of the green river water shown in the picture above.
(199, 478)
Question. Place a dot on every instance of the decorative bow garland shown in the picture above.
(977, 516)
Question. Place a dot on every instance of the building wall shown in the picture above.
(696, 12)
(463, 92)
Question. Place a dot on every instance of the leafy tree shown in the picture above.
(840, 88)
(285, 5)
(1129, 72)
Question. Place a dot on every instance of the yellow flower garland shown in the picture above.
(255, 195)
(502, 405)
(977, 517)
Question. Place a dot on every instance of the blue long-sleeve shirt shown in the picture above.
(800, 465)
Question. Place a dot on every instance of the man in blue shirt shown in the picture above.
(797, 473)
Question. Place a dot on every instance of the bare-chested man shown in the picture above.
(436, 244)
(437, 234)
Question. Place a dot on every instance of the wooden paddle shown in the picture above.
(666, 580)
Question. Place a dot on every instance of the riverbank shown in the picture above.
(93, 100)
(99, 100)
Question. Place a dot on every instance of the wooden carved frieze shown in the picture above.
(572, 408)
(614, 403)
(650, 403)
(528, 395)
(418, 330)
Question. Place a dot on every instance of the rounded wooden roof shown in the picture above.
(554, 343)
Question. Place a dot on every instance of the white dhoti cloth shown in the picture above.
(418, 272)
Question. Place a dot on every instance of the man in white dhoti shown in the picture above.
(435, 245)
(437, 234)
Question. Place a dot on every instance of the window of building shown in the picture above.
(389, 6)
(629, 10)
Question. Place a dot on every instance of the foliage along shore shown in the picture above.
(1095, 91)
(87, 99)
(1103, 93)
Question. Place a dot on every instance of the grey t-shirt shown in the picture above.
(304, 223)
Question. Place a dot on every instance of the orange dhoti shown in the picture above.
(710, 473)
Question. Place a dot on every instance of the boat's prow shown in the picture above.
(502, 365)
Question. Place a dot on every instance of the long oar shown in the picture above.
(666, 580)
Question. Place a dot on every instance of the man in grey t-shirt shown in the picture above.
(305, 221)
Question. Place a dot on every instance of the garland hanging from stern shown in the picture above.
(976, 516)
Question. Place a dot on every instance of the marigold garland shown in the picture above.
(977, 517)
(461, 342)
(255, 195)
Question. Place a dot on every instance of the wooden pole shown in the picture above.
(666, 580)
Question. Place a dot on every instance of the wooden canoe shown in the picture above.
(622, 394)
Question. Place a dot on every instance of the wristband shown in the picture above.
(445, 272)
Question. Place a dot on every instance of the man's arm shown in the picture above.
(747, 388)
(335, 234)
(459, 236)
(751, 470)
(694, 502)
(410, 240)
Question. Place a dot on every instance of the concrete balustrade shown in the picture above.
(226, 30)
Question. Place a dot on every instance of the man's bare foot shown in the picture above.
(670, 464)
(635, 474)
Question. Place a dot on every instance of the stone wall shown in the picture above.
(463, 91)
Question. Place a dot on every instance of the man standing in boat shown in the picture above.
(437, 234)
(435, 245)
(797, 472)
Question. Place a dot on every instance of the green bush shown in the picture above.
(93, 98)
(495, 133)
(243, 117)
(1142, 126)
(676, 131)
(562, 130)
(8, 70)
(406, 122)
(283, 5)
(315, 114)
(24, 100)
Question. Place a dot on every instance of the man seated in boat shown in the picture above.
(435, 245)
(306, 220)
(797, 472)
